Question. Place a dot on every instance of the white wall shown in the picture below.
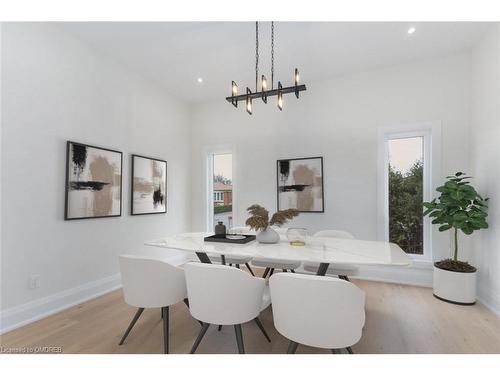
(55, 88)
(337, 119)
(485, 136)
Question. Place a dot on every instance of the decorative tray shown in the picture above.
(237, 238)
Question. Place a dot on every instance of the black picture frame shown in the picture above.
(322, 182)
(132, 175)
(67, 182)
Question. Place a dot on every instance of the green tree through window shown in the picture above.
(405, 208)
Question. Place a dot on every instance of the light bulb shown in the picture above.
(234, 88)
(264, 83)
(280, 101)
(249, 106)
(296, 76)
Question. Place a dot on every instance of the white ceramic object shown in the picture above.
(269, 235)
(455, 287)
(321, 250)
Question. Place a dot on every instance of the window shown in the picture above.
(405, 190)
(220, 166)
(406, 169)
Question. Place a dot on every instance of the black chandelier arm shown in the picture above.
(259, 94)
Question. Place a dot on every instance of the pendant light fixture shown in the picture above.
(265, 91)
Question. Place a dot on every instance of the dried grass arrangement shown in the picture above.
(259, 219)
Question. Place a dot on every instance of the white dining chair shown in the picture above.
(223, 295)
(343, 271)
(317, 311)
(269, 264)
(151, 283)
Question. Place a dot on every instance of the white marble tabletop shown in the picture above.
(317, 249)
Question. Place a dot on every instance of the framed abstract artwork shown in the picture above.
(300, 184)
(93, 182)
(149, 186)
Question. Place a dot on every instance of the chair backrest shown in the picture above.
(317, 311)
(334, 233)
(149, 282)
(222, 295)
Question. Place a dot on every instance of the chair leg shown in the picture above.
(292, 271)
(132, 323)
(346, 278)
(271, 273)
(220, 327)
(250, 269)
(266, 271)
(292, 347)
(165, 329)
(203, 330)
(238, 266)
(284, 270)
(239, 338)
(230, 264)
(261, 327)
(349, 350)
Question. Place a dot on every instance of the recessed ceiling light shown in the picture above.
(200, 80)
(411, 30)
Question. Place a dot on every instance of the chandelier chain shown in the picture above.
(256, 55)
(272, 55)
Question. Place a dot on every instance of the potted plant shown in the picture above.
(259, 221)
(459, 207)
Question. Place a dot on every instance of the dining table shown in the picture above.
(321, 250)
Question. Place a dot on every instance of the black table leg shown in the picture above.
(322, 269)
(203, 257)
(223, 259)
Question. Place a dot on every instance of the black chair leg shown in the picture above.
(250, 269)
(284, 270)
(132, 323)
(220, 328)
(239, 338)
(292, 271)
(238, 266)
(292, 347)
(266, 271)
(203, 330)
(261, 327)
(349, 350)
(165, 329)
(271, 273)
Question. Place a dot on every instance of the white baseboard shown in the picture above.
(489, 298)
(21, 315)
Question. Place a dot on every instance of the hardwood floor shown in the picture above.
(399, 319)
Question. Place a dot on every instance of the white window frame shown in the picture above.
(431, 133)
(209, 157)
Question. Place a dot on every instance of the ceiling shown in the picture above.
(176, 54)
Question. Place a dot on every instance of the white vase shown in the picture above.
(455, 287)
(269, 235)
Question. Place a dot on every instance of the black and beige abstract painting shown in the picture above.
(300, 184)
(93, 182)
(149, 185)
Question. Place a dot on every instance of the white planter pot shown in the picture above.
(455, 287)
(268, 236)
